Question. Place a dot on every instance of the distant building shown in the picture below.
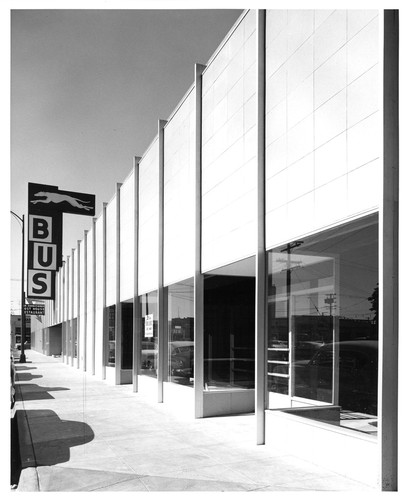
(15, 329)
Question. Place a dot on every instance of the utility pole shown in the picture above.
(23, 324)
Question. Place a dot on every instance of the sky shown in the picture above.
(87, 90)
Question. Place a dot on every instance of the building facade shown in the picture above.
(248, 262)
(16, 330)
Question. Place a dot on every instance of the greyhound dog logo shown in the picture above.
(60, 198)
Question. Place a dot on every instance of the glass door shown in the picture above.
(302, 353)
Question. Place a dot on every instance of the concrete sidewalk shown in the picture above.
(78, 433)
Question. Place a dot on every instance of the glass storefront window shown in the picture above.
(149, 334)
(75, 337)
(181, 332)
(111, 335)
(322, 325)
(229, 327)
(127, 336)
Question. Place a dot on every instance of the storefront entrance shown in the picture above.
(229, 327)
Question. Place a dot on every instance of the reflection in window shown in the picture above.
(127, 336)
(229, 327)
(322, 325)
(181, 332)
(149, 334)
(111, 335)
(75, 337)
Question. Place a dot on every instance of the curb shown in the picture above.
(28, 480)
(29, 477)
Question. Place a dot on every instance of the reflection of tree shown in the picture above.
(374, 303)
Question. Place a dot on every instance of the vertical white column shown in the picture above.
(63, 324)
(261, 268)
(388, 285)
(162, 321)
(198, 277)
(93, 294)
(137, 316)
(85, 295)
(118, 312)
(78, 278)
(72, 294)
(67, 323)
(104, 312)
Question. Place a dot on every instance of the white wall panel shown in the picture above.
(67, 298)
(127, 236)
(75, 282)
(82, 305)
(322, 120)
(58, 296)
(330, 36)
(368, 175)
(229, 146)
(149, 220)
(111, 258)
(330, 160)
(90, 313)
(362, 50)
(363, 142)
(179, 193)
(99, 296)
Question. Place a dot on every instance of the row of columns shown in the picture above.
(388, 398)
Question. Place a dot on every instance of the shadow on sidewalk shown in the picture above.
(30, 392)
(25, 377)
(52, 437)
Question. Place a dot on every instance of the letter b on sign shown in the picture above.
(40, 228)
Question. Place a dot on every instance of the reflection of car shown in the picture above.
(149, 355)
(12, 381)
(305, 349)
(181, 358)
(358, 362)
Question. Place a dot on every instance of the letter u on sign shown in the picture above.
(45, 256)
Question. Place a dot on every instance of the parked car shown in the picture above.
(181, 358)
(357, 382)
(12, 381)
(358, 368)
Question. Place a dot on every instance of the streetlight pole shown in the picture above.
(23, 325)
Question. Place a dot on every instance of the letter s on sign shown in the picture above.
(39, 283)
(38, 280)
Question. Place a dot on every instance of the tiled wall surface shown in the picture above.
(322, 119)
(228, 149)
(99, 295)
(149, 220)
(179, 193)
(127, 236)
(65, 278)
(89, 294)
(74, 274)
(82, 304)
(111, 260)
